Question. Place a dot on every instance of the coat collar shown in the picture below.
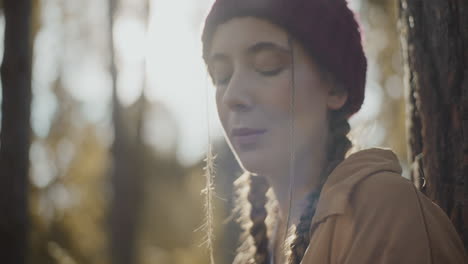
(358, 166)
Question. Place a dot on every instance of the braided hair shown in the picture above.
(258, 213)
(254, 203)
(338, 146)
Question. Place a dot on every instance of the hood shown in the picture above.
(348, 174)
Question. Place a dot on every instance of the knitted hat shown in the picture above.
(327, 29)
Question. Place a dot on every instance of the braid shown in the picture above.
(258, 199)
(338, 145)
(253, 189)
(250, 186)
(300, 238)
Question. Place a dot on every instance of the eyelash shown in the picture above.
(271, 73)
(264, 73)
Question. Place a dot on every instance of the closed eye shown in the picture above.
(223, 81)
(270, 60)
(221, 70)
(271, 72)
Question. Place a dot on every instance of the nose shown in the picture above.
(238, 95)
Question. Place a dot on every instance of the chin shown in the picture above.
(254, 159)
(257, 164)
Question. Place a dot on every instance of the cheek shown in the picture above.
(311, 105)
(221, 109)
(311, 95)
(276, 95)
(309, 101)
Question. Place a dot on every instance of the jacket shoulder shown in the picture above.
(387, 207)
(385, 190)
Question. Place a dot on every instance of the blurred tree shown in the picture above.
(67, 198)
(124, 178)
(383, 52)
(69, 161)
(434, 42)
(68, 155)
(127, 173)
(15, 131)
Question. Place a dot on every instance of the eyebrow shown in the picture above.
(257, 47)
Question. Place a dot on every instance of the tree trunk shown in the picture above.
(15, 132)
(434, 39)
(126, 179)
(122, 225)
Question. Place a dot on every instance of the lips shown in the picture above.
(239, 132)
(246, 136)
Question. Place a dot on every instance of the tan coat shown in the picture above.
(368, 213)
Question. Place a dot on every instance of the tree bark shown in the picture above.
(434, 39)
(15, 132)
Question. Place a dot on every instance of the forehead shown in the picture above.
(238, 34)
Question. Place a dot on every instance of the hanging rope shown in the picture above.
(291, 139)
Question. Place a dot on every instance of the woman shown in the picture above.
(288, 75)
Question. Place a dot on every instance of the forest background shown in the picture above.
(122, 115)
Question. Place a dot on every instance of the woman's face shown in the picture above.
(251, 65)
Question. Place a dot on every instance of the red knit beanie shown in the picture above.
(327, 29)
